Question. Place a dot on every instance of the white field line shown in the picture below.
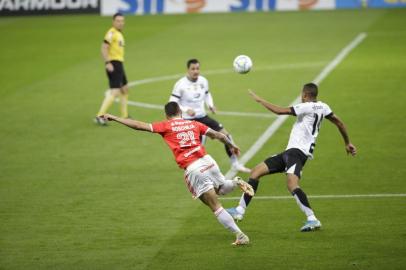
(219, 71)
(282, 118)
(227, 70)
(343, 196)
(160, 107)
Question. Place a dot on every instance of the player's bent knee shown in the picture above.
(259, 171)
(124, 90)
(292, 182)
(115, 92)
(210, 199)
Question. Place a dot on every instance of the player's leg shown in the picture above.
(210, 170)
(109, 98)
(210, 199)
(238, 212)
(124, 97)
(229, 185)
(271, 165)
(115, 82)
(233, 158)
(124, 101)
(224, 186)
(301, 199)
(295, 163)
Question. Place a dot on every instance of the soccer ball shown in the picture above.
(242, 64)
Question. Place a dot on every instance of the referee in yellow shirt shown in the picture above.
(113, 54)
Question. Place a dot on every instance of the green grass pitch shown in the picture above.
(77, 196)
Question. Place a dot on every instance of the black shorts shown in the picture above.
(117, 78)
(210, 122)
(290, 161)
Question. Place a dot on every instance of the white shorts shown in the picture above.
(203, 175)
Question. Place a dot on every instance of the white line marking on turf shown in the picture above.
(282, 118)
(322, 196)
(227, 70)
(160, 107)
(218, 71)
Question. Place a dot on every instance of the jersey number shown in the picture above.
(187, 139)
(316, 126)
(317, 123)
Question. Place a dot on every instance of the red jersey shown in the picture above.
(183, 137)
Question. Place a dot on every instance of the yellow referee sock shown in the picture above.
(108, 100)
(123, 105)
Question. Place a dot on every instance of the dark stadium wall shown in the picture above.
(47, 7)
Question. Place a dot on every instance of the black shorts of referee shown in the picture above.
(117, 77)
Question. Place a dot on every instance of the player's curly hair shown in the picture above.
(311, 89)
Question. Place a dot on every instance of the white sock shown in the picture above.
(227, 187)
(228, 222)
(308, 211)
(233, 159)
(311, 218)
(241, 205)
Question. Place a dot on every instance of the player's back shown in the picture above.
(183, 138)
(306, 128)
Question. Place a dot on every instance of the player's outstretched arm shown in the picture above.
(273, 108)
(138, 125)
(349, 147)
(224, 139)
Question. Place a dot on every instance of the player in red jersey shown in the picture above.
(202, 174)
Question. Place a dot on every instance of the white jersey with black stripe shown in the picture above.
(192, 95)
(306, 128)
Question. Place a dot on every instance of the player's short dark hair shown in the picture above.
(311, 89)
(118, 14)
(191, 61)
(172, 109)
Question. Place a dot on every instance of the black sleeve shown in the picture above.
(293, 111)
(105, 41)
(328, 116)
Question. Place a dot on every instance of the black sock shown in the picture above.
(302, 197)
(254, 183)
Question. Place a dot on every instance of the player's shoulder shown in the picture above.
(321, 103)
(181, 80)
(303, 105)
(324, 106)
(179, 83)
(111, 31)
(202, 79)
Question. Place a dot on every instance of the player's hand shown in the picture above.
(213, 109)
(253, 95)
(191, 112)
(109, 67)
(235, 150)
(108, 117)
(351, 149)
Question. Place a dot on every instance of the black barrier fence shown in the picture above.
(45, 7)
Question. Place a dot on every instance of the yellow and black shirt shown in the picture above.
(115, 39)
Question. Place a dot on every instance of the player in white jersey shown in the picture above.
(192, 93)
(310, 113)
